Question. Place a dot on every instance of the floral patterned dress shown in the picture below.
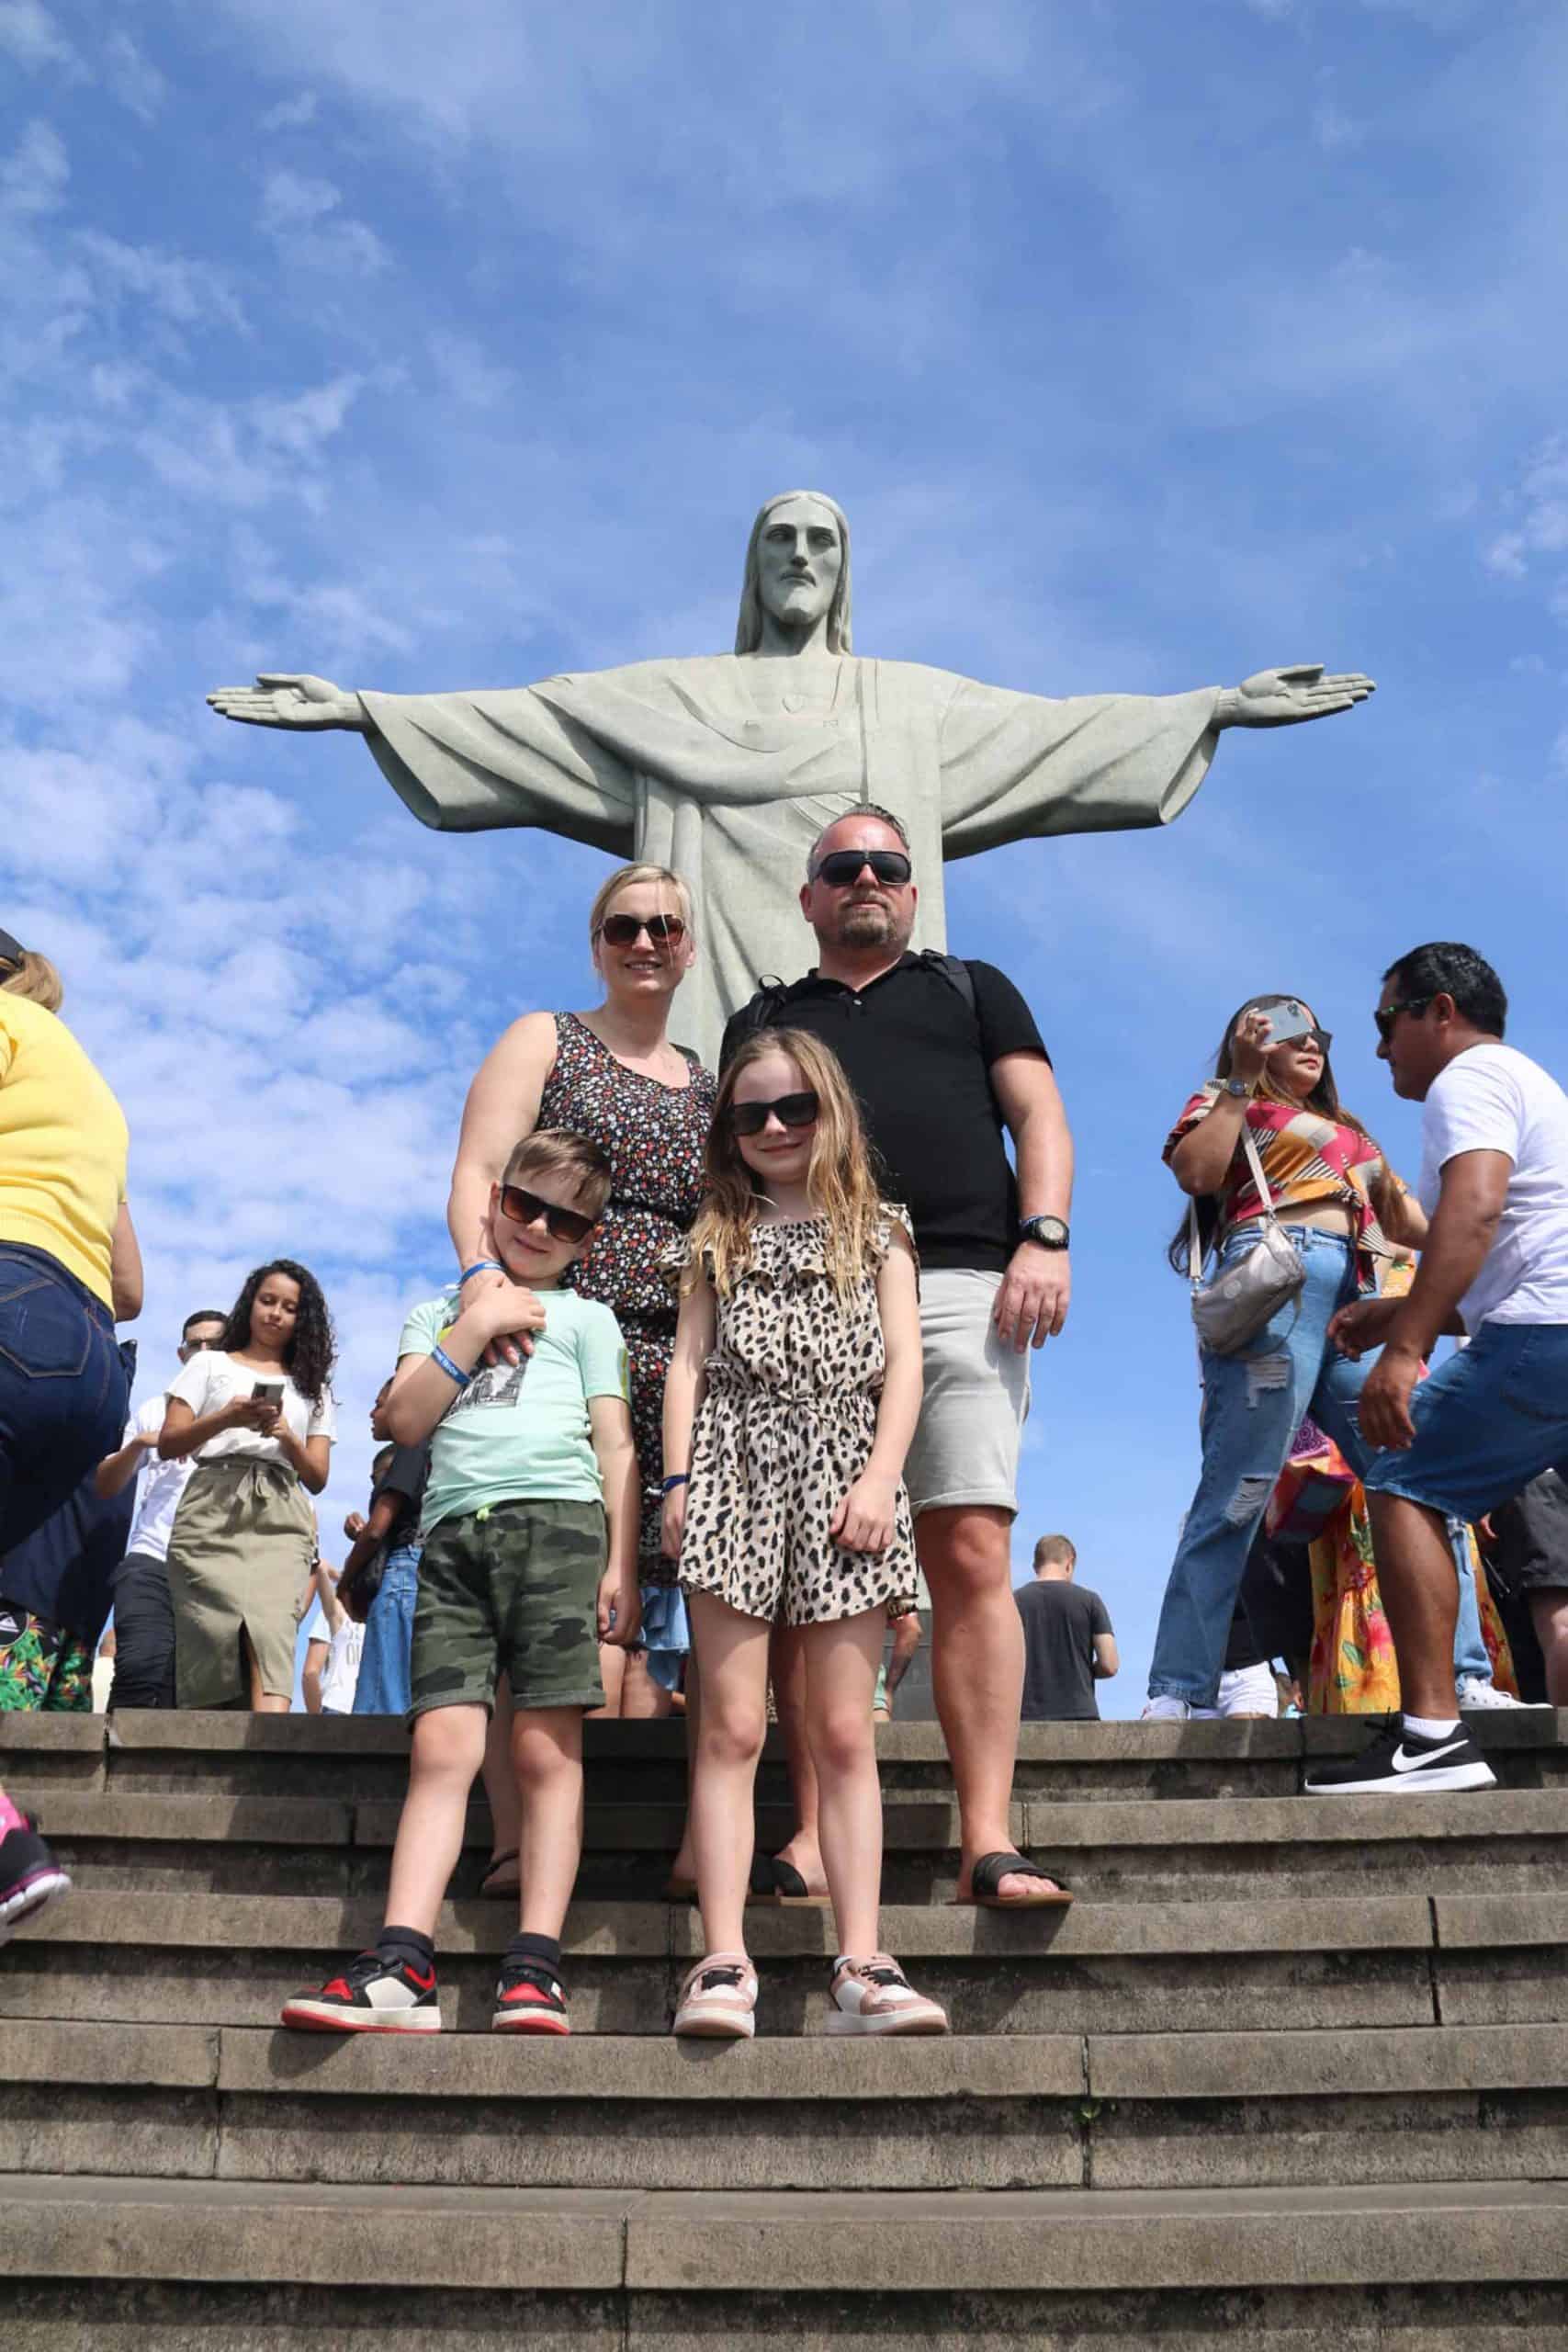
(653, 1135)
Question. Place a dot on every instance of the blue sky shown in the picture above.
(450, 346)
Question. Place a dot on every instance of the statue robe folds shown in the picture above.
(674, 762)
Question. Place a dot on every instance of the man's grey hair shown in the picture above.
(867, 808)
(749, 626)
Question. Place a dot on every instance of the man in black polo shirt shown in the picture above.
(943, 1060)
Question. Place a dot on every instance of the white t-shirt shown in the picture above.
(1492, 1098)
(340, 1675)
(212, 1380)
(159, 1486)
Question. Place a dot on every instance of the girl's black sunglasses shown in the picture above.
(564, 1225)
(794, 1111)
(622, 931)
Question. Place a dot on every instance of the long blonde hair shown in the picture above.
(34, 978)
(840, 1182)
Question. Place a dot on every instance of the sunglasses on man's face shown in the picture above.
(792, 1111)
(623, 931)
(1387, 1015)
(525, 1208)
(843, 866)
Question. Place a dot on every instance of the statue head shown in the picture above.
(759, 592)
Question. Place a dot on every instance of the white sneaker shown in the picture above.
(719, 1999)
(875, 1996)
(1164, 1711)
(1475, 1693)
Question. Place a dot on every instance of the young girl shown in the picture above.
(791, 1398)
(258, 1415)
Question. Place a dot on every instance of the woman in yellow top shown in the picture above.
(69, 1266)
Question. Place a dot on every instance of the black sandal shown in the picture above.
(499, 1894)
(988, 1873)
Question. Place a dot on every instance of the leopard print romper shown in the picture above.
(783, 1430)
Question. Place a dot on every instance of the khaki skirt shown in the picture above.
(245, 1536)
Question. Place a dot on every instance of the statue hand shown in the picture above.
(1284, 698)
(290, 699)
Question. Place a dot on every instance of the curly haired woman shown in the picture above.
(257, 1413)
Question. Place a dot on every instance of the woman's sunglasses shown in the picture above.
(843, 866)
(623, 931)
(524, 1207)
(792, 1110)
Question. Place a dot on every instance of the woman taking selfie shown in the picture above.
(1344, 1210)
(258, 1415)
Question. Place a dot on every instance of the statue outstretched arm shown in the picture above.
(1016, 764)
(463, 763)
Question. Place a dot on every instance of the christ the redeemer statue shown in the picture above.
(727, 766)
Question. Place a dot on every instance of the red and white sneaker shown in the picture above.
(529, 1998)
(719, 1999)
(29, 1875)
(875, 1996)
(370, 1997)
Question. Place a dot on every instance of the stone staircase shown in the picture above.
(1292, 2071)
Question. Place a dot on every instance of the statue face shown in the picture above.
(864, 912)
(799, 557)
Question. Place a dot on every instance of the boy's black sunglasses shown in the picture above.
(564, 1225)
(794, 1111)
(622, 931)
(843, 866)
(1387, 1015)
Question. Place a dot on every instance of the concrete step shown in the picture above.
(111, 1955)
(241, 1755)
(1113, 1850)
(1433, 2103)
(113, 2262)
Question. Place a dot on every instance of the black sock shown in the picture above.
(398, 1946)
(544, 1951)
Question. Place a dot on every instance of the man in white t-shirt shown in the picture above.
(1494, 1268)
(144, 1614)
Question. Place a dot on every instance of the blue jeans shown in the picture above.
(1253, 1405)
(1472, 1657)
(383, 1685)
(63, 1389)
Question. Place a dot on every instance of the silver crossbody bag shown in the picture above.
(1236, 1306)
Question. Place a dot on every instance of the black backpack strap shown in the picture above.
(954, 971)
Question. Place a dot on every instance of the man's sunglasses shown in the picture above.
(843, 866)
(792, 1110)
(524, 1207)
(622, 931)
(1387, 1015)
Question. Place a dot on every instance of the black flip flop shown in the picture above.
(988, 1873)
(498, 1893)
(775, 1880)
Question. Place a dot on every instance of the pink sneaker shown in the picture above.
(29, 1875)
(875, 1996)
(719, 1999)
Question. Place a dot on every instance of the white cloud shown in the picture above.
(33, 178)
(464, 368)
(185, 293)
(303, 218)
(292, 114)
(31, 35)
(132, 79)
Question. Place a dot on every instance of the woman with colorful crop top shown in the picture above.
(1346, 1212)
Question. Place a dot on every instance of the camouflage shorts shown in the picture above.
(511, 1589)
(43, 1669)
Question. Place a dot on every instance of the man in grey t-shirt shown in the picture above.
(1068, 1644)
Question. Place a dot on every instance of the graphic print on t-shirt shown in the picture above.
(493, 1383)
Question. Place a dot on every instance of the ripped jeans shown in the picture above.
(1253, 1405)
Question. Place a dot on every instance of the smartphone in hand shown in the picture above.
(266, 1392)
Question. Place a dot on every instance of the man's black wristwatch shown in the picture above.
(1050, 1232)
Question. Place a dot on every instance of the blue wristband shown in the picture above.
(680, 1478)
(480, 1266)
(439, 1357)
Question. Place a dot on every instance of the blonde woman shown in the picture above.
(790, 1405)
(612, 1074)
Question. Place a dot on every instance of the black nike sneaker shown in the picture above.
(1402, 1763)
(530, 1998)
(371, 1995)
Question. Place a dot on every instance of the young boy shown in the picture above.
(528, 1462)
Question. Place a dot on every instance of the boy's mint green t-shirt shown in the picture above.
(519, 1431)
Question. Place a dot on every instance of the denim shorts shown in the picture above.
(1487, 1421)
